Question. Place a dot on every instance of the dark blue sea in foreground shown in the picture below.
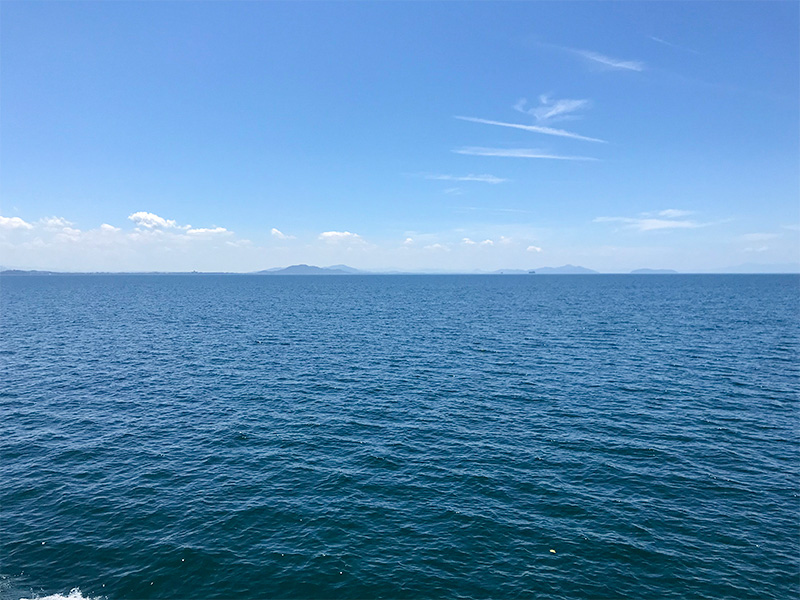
(400, 436)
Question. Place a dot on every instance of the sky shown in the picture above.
(446, 136)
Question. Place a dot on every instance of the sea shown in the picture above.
(333, 437)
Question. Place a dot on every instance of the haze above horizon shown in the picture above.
(399, 136)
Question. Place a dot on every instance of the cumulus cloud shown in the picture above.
(533, 249)
(469, 242)
(68, 234)
(151, 221)
(199, 231)
(14, 223)
(335, 237)
(437, 247)
(408, 241)
(277, 233)
(152, 224)
(54, 222)
(149, 242)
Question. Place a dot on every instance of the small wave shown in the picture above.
(74, 594)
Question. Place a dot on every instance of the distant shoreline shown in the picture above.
(37, 273)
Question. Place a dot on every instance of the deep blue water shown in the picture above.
(400, 436)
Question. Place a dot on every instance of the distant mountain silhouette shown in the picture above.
(565, 270)
(344, 268)
(653, 272)
(23, 272)
(306, 270)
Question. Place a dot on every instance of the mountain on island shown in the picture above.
(653, 272)
(565, 270)
(344, 268)
(309, 270)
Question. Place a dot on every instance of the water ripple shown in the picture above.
(400, 437)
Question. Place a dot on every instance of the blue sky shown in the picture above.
(454, 136)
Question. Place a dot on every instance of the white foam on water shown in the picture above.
(74, 594)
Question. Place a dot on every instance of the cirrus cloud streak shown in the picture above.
(517, 153)
(533, 129)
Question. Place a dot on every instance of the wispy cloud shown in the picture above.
(673, 213)
(650, 224)
(671, 45)
(759, 237)
(480, 178)
(516, 153)
(494, 209)
(550, 109)
(239, 243)
(600, 59)
(533, 249)
(277, 233)
(14, 223)
(607, 61)
(533, 128)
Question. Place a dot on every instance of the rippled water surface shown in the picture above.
(400, 436)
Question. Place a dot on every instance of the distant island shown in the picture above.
(304, 269)
(345, 270)
(23, 272)
(565, 270)
(309, 270)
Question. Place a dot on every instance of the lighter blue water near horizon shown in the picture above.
(169, 436)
